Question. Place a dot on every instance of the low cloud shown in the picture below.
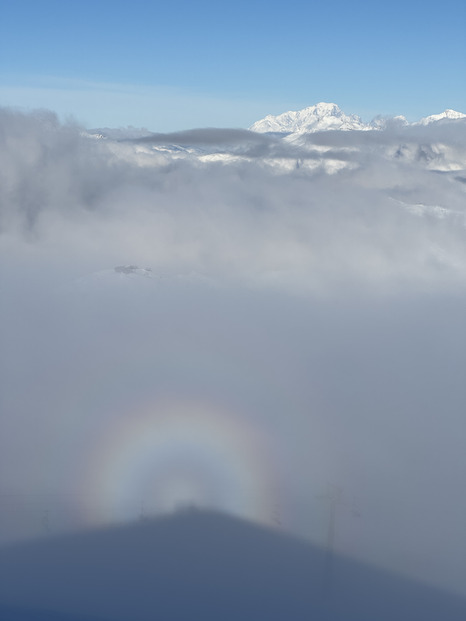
(240, 142)
(207, 136)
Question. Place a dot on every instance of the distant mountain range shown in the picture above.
(320, 136)
(328, 116)
(320, 117)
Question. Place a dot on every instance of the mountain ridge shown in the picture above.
(325, 116)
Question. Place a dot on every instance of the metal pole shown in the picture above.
(334, 497)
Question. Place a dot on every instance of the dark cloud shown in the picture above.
(207, 136)
(239, 142)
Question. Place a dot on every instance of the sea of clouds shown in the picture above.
(314, 290)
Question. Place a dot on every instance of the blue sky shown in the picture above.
(192, 64)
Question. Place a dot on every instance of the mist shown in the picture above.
(239, 334)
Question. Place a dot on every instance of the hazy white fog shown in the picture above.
(297, 319)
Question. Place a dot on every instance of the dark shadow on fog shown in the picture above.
(203, 565)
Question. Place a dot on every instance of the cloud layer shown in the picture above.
(316, 310)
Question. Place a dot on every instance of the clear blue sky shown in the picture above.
(177, 65)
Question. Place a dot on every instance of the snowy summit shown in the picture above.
(321, 117)
(450, 115)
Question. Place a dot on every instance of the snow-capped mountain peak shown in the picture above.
(451, 115)
(327, 116)
(322, 116)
